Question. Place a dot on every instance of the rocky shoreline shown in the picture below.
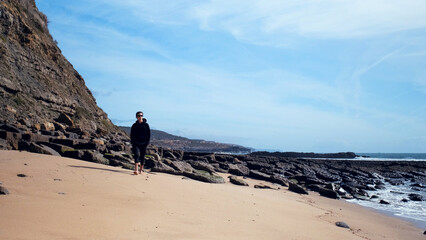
(331, 178)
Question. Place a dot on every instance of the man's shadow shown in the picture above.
(98, 168)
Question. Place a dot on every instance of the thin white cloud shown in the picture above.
(327, 18)
(277, 21)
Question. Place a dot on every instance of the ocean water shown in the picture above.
(412, 211)
(392, 156)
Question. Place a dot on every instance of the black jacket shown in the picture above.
(140, 133)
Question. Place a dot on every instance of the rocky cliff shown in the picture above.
(37, 83)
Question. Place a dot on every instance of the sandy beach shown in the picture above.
(62, 198)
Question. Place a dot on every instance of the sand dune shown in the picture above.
(64, 198)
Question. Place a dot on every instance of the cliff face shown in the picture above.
(37, 83)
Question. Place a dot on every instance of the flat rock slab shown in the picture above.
(297, 188)
(237, 181)
(263, 187)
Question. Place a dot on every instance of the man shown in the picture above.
(140, 134)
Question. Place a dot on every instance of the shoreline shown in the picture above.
(417, 223)
(77, 199)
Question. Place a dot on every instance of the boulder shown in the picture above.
(162, 167)
(4, 145)
(10, 128)
(67, 142)
(224, 158)
(181, 166)
(59, 147)
(204, 176)
(237, 181)
(77, 130)
(202, 166)
(279, 180)
(259, 175)
(116, 147)
(327, 176)
(325, 192)
(78, 154)
(71, 135)
(36, 127)
(90, 146)
(32, 137)
(238, 169)
(294, 187)
(95, 156)
(119, 156)
(98, 141)
(36, 148)
(384, 202)
(218, 167)
(63, 118)
(262, 186)
(168, 153)
(155, 156)
(48, 126)
(11, 138)
(59, 127)
(254, 165)
(361, 197)
(415, 197)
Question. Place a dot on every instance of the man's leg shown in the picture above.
(142, 156)
(137, 153)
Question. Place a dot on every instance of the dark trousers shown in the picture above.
(139, 150)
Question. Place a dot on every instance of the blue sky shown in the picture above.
(312, 76)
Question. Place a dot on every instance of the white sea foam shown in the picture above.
(411, 210)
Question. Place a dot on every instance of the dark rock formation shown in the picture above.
(415, 197)
(238, 169)
(328, 193)
(37, 83)
(237, 181)
(259, 175)
(294, 187)
(181, 166)
(204, 176)
(262, 186)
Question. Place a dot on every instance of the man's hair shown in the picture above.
(138, 113)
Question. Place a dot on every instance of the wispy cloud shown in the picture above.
(278, 19)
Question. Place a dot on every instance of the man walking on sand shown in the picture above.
(140, 135)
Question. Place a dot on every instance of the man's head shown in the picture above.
(139, 116)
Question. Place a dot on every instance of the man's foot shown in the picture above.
(135, 173)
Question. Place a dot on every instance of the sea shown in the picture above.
(413, 211)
